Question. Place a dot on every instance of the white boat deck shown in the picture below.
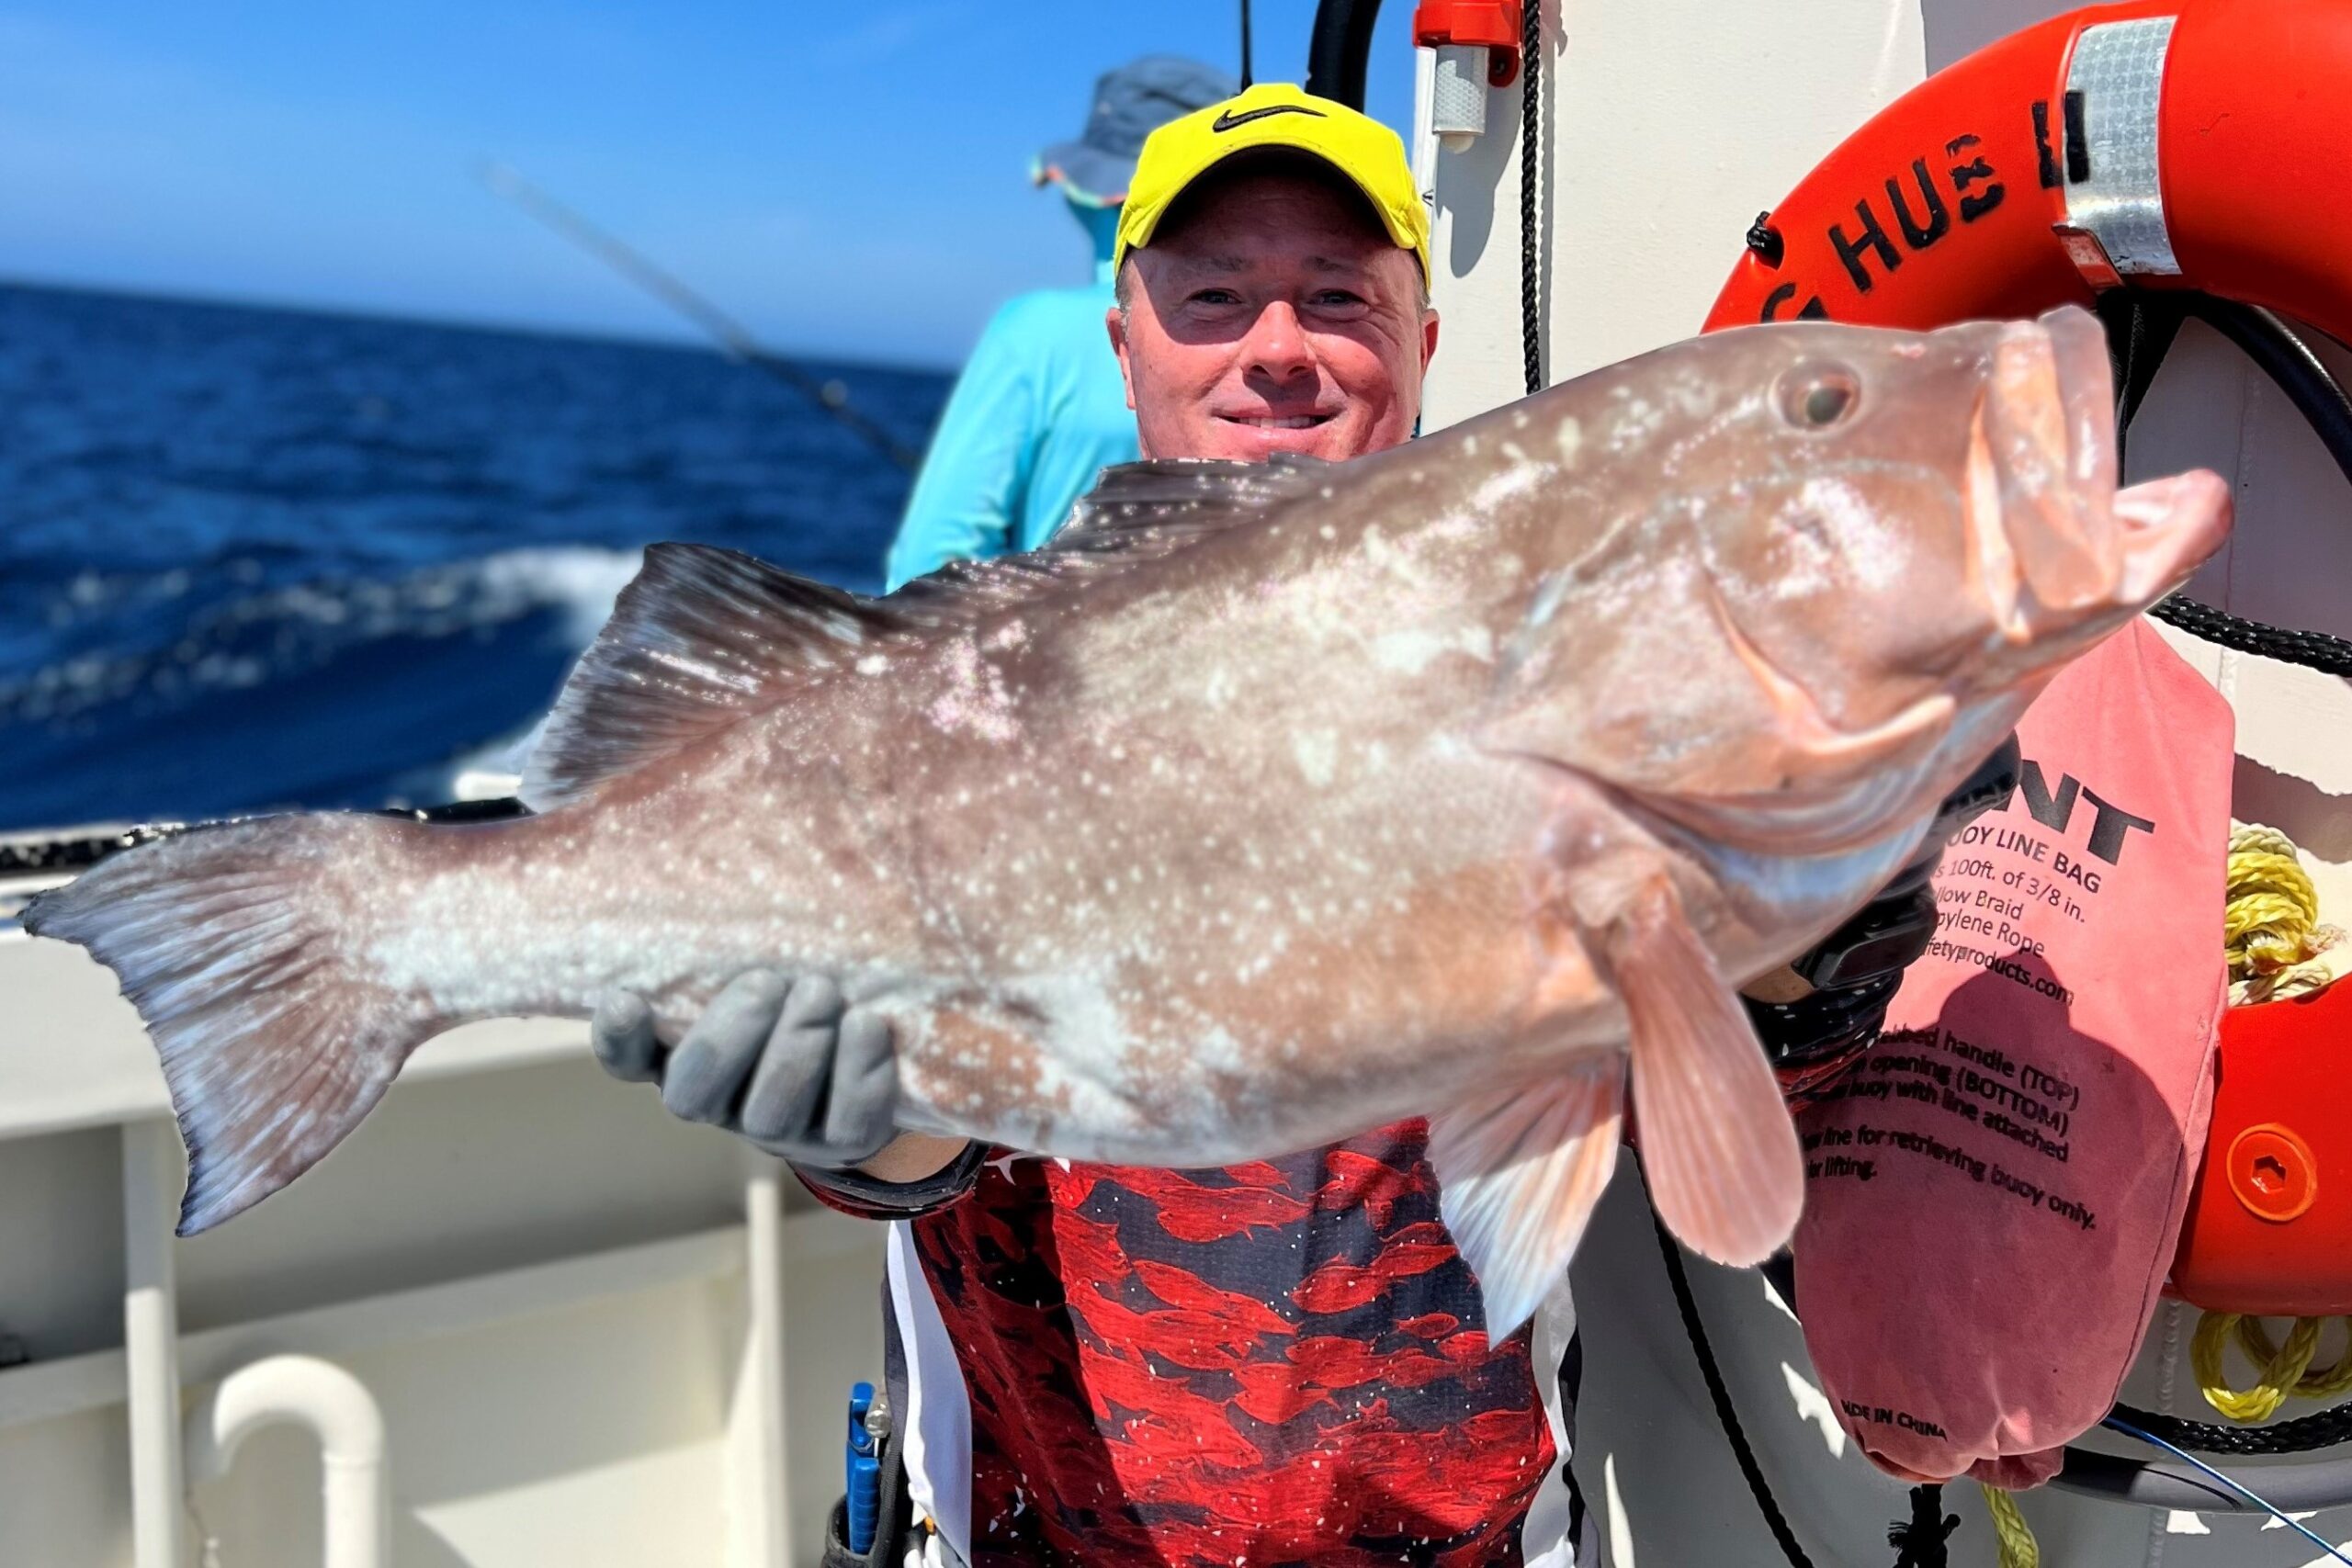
(595, 1335)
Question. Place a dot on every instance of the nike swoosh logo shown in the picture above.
(1229, 119)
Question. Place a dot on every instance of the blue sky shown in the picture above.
(849, 180)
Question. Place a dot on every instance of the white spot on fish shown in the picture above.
(1410, 651)
(1407, 652)
(1871, 553)
(1503, 486)
(1318, 753)
(873, 664)
(1571, 436)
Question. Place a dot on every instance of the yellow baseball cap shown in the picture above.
(1277, 114)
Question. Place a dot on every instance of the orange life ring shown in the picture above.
(2201, 144)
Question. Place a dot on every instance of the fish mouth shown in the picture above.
(2055, 544)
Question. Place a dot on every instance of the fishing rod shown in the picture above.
(732, 336)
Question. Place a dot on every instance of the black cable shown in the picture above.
(1725, 1414)
(2322, 1430)
(2266, 338)
(1340, 49)
(1245, 45)
(1531, 54)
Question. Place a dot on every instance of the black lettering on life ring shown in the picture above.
(1917, 235)
(1814, 310)
(2042, 145)
(1872, 237)
(2078, 143)
(1977, 171)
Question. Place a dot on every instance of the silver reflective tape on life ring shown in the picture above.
(2115, 83)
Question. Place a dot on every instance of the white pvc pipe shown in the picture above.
(152, 1167)
(339, 1412)
(763, 1268)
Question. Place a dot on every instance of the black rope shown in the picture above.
(1531, 53)
(2313, 650)
(1245, 45)
(1920, 1539)
(2323, 1429)
(1725, 1414)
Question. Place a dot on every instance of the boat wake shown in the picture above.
(206, 691)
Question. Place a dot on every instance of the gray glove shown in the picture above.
(779, 1062)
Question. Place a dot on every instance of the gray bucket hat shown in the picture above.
(1130, 103)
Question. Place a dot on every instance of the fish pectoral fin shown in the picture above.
(1716, 1143)
(1518, 1173)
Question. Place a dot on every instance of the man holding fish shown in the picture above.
(1273, 302)
(1311, 856)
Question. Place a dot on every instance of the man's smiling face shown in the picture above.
(1271, 313)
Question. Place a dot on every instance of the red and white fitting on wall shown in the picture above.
(1477, 42)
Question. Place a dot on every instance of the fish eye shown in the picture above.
(1815, 397)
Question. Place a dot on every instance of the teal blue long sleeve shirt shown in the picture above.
(1037, 413)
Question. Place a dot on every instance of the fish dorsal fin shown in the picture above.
(705, 636)
(701, 637)
(1137, 512)
(1176, 499)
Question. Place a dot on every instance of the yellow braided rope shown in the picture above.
(2018, 1549)
(2282, 1372)
(2270, 926)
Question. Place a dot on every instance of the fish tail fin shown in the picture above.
(273, 1044)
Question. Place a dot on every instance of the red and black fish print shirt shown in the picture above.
(1267, 1364)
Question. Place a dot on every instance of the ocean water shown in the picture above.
(255, 560)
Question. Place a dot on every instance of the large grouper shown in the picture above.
(1268, 803)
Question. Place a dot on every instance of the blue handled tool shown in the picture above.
(869, 1423)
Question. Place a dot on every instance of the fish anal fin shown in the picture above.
(1519, 1172)
(1718, 1149)
(700, 638)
